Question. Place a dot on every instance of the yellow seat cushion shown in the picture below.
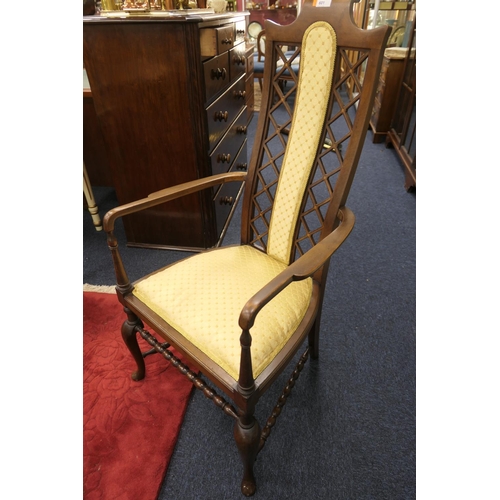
(202, 297)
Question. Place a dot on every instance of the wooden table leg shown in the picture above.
(89, 196)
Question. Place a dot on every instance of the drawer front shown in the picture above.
(217, 75)
(240, 30)
(222, 112)
(215, 41)
(225, 198)
(237, 61)
(226, 151)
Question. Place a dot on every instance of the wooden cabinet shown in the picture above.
(387, 91)
(399, 15)
(283, 16)
(94, 149)
(280, 16)
(170, 96)
(403, 132)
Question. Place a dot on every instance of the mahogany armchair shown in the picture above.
(239, 314)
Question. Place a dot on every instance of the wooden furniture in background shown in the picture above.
(258, 64)
(289, 73)
(249, 82)
(240, 314)
(369, 14)
(387, 92)
(91, 203)
(394, 14)
(281, 16)
(170, 99)
(88, 7)
(94, 149)
(403, 132)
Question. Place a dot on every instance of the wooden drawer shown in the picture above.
(215, 41)
(222, 112)
(217, 75)
(240, 30)
(225, 198)
(237, 61)
(224, 154)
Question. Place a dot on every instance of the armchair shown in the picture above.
(258, 58)
(239, 314)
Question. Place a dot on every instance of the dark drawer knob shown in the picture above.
(242, 129)
(241, 166)
(226, 200)
(227, 41)
(239, 94)
(220, 115)
(240, 32)
(223, 158)
(218, 73)
(238, 59)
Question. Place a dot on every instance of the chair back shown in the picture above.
(261, 45)
(311, 130)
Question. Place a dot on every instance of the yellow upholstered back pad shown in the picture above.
(317, 61)
(202, 297)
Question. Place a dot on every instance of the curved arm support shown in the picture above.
(169, 194)
(156, 198)
(302, 268)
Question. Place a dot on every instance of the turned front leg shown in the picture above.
(247, 437)
(129, 335)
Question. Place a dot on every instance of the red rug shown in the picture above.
(129, 428)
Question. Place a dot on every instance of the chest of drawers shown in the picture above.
(171, 99)
(387, 92)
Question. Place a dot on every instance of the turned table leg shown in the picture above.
(89, 196)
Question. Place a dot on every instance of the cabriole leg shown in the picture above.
(129, 335)
(247, 437)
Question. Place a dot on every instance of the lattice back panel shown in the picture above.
(346, 92)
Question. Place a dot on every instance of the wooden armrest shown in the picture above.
(168, 194)
(302, 268)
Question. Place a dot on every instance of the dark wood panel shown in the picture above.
(145, 95)
(402, 135)
(94, 149)
(150, 89)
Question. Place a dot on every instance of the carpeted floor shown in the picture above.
(348, 430)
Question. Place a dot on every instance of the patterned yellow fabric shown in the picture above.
(202, 298)
(317, 61)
